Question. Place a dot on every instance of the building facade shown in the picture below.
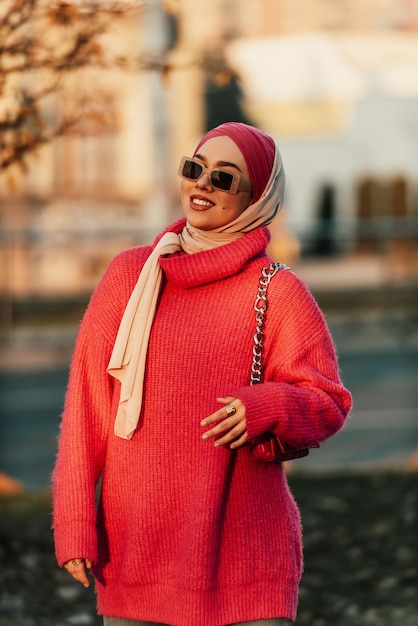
(332, 82)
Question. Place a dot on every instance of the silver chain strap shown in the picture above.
(260, 308)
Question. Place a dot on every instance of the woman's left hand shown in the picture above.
(231, 424)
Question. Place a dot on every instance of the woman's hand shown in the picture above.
(77, 569)
(231, 424)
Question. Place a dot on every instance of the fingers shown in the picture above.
(77, 569)
(239, 442)
(230, 401)
(230, 424)
(231, 408)
(235, 437)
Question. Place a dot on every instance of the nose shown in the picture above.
(204, 181)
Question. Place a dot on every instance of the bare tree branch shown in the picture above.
(44, 46)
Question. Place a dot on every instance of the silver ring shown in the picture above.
(230, 409)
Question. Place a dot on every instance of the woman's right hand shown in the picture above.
(77, 569)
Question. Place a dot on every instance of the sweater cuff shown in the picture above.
(261, 409)
(75, 539)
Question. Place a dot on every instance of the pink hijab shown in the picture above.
(257, 147)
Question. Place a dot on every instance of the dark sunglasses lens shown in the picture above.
(222, 180)
(192, 170)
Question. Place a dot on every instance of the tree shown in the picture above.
(45, 47)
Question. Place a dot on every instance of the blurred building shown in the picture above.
(336, 84)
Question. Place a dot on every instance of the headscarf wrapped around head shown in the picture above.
(267, 176)
(128, 359)
(258, 150)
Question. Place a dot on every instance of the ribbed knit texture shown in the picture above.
(187, 534)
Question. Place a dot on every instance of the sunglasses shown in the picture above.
(231, 182)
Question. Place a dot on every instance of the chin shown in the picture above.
(200, 221)
(201, 226)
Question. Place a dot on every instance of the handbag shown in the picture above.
(268, 448)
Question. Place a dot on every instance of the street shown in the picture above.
(381, 432)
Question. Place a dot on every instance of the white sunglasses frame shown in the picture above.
(239, 182)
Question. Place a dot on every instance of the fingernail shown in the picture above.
(205, 436)
(204, 423)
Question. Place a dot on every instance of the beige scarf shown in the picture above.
(127, 362)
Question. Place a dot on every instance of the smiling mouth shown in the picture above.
(200, 204)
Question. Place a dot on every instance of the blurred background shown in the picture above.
(98, 102)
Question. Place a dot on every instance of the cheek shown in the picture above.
(245, 202)
(184, 192)
(237, 206)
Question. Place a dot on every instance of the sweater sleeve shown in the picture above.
(302, 398)
(86, 419)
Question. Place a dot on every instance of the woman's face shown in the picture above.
(205, 206)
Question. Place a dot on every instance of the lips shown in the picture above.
(199, 203)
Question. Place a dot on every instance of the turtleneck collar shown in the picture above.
(192, 270)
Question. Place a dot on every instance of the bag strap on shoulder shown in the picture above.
(260, 308)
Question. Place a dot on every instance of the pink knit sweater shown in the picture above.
(188, 534)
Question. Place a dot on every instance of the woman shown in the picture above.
(191, 530)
